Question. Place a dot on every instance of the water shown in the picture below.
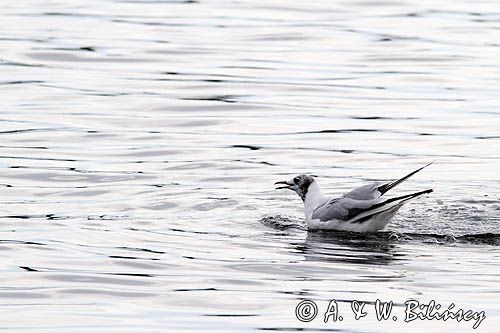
(140, 141)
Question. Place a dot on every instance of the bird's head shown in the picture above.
(300, 184)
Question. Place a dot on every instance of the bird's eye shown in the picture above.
(296, 180)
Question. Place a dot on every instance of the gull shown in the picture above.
(364, 209)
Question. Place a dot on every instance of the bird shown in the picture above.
(364, 209)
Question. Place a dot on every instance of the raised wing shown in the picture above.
(376, 190)
(386, 187)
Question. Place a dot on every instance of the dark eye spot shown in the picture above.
(296, 180)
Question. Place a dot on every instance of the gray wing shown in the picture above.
(367, 192)
(343, 209)
(352, 210)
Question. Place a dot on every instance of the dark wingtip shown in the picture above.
(386, 187)
(424, 192)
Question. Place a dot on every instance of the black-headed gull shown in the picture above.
(362, 210)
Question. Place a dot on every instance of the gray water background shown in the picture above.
(140, 140)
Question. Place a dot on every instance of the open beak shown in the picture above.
(288, 185)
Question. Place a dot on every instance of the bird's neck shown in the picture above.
(314, 197)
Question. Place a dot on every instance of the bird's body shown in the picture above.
(364, 209)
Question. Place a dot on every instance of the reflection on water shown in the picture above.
(140, 141)
(350, 249)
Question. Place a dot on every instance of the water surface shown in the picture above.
(140, 141)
